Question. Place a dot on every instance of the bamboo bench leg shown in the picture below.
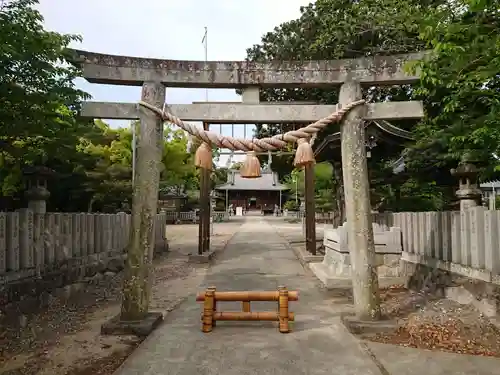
(283, 310)
(208, 310)
(214, 322)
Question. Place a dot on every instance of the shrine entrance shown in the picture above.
(155, 75)
(252, 203)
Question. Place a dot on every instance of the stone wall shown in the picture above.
(39, 252)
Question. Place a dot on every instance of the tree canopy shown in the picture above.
(459, 85)
(323, 186)
(38, 99)
(40, 125)
(92, 162)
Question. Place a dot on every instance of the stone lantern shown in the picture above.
(468, 192)
(37, 193)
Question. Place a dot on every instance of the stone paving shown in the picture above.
(257, 258)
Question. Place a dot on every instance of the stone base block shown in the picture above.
(161, 248)
(307, 257)
(203, 258)
(368, 327)
(330, 281)
(334, 281)
(140, 328)
(339, 264)
(486, 303)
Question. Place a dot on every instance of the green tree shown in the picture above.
(219, 176)
(460, 85)
(323, 173)
(38, 99)
(179, 169)
(236, 165)
(109, 178)
(333, 29)
(110, 174)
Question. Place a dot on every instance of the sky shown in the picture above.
(170, 29)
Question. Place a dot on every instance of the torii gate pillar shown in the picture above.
(136, 284)
(358, 208)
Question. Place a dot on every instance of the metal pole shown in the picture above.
(211, 216)
(296, 190)
(205, 40)
(203, 226)
(201, 218)
(309, 206)
(208, 202)
(134, 149)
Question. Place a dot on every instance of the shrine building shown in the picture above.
(252, 193)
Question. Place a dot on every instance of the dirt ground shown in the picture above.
(64, 338)
(427, 322)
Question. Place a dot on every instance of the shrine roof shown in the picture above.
(267, 182)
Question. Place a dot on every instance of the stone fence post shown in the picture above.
(33, 243)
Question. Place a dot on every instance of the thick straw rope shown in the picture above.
(259, 145)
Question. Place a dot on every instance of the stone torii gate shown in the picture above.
(154, 75)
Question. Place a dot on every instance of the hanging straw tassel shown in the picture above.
(251, 166)
(304, 154)
(203, 156)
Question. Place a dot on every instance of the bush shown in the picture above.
(220, 206)
(291, 206)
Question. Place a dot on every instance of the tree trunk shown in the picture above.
(91, 205)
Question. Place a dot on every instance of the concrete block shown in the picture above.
(327, 278)
(203, 258)
(368, 327)
(306, 257)
(387, 240)
(140, 328)
(337, 260)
